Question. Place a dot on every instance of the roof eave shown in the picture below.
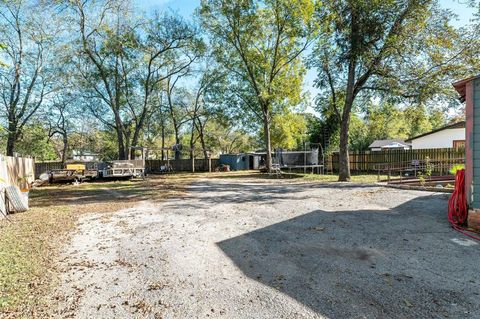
(451, 126)
(460, 86)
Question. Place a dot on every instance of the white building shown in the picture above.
(446, 137)
(84, 156)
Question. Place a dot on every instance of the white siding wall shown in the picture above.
(441, 139)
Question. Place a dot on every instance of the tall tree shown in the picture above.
(260, 43)
(402, 49)
(170, 48)
(126, 60)
(59, 119)
(208, 99)
(177, 102)
(25, 78)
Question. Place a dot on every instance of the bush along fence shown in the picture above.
(151, 166)
(440, 161)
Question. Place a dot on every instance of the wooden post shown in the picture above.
(304, 158)
(193, 160)
(168, 161)
(388, 172)
(209, 163)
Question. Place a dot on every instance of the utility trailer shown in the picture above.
(73, 172)
(122, 169)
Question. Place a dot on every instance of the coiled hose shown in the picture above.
(457, 206)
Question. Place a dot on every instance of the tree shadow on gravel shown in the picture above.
(399, 263)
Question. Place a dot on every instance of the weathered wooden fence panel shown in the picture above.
(370, 161)
(18, 171)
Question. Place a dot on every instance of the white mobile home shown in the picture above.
(452, 135)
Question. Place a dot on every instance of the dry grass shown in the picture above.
(363, 178)
(27, 248)
(30, 243)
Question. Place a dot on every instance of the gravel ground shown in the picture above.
(240, 248)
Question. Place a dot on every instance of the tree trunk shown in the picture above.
(163, 141)
(178, 154)
(202, 139)
(11, 143)
(344, 161)
(192, 139)
(132, 150)
(127, 148)
(120, 137)
(136, 136)
(65, 149)
(268, 145)
(121, 146)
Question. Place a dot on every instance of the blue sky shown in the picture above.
(186, 8)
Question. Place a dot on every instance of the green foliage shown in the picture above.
(222, 137)
(360, 135)
(34, 142)
(288, 130)
(385, 121)
(2, 47)
(260, 44)
(384, 68)
(394, 51)
(456, 168)
(101, 142)
(423, 176)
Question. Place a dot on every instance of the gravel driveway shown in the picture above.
(244, 248)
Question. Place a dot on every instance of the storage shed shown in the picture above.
(241, 162)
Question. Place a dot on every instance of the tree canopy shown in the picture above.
(100, 76)
(260, 44)
(402, 51)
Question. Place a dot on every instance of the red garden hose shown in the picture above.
(457, 206)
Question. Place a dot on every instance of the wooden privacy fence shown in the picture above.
(14, 171)
(182, 165)
(442, 159)
(17, 171)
